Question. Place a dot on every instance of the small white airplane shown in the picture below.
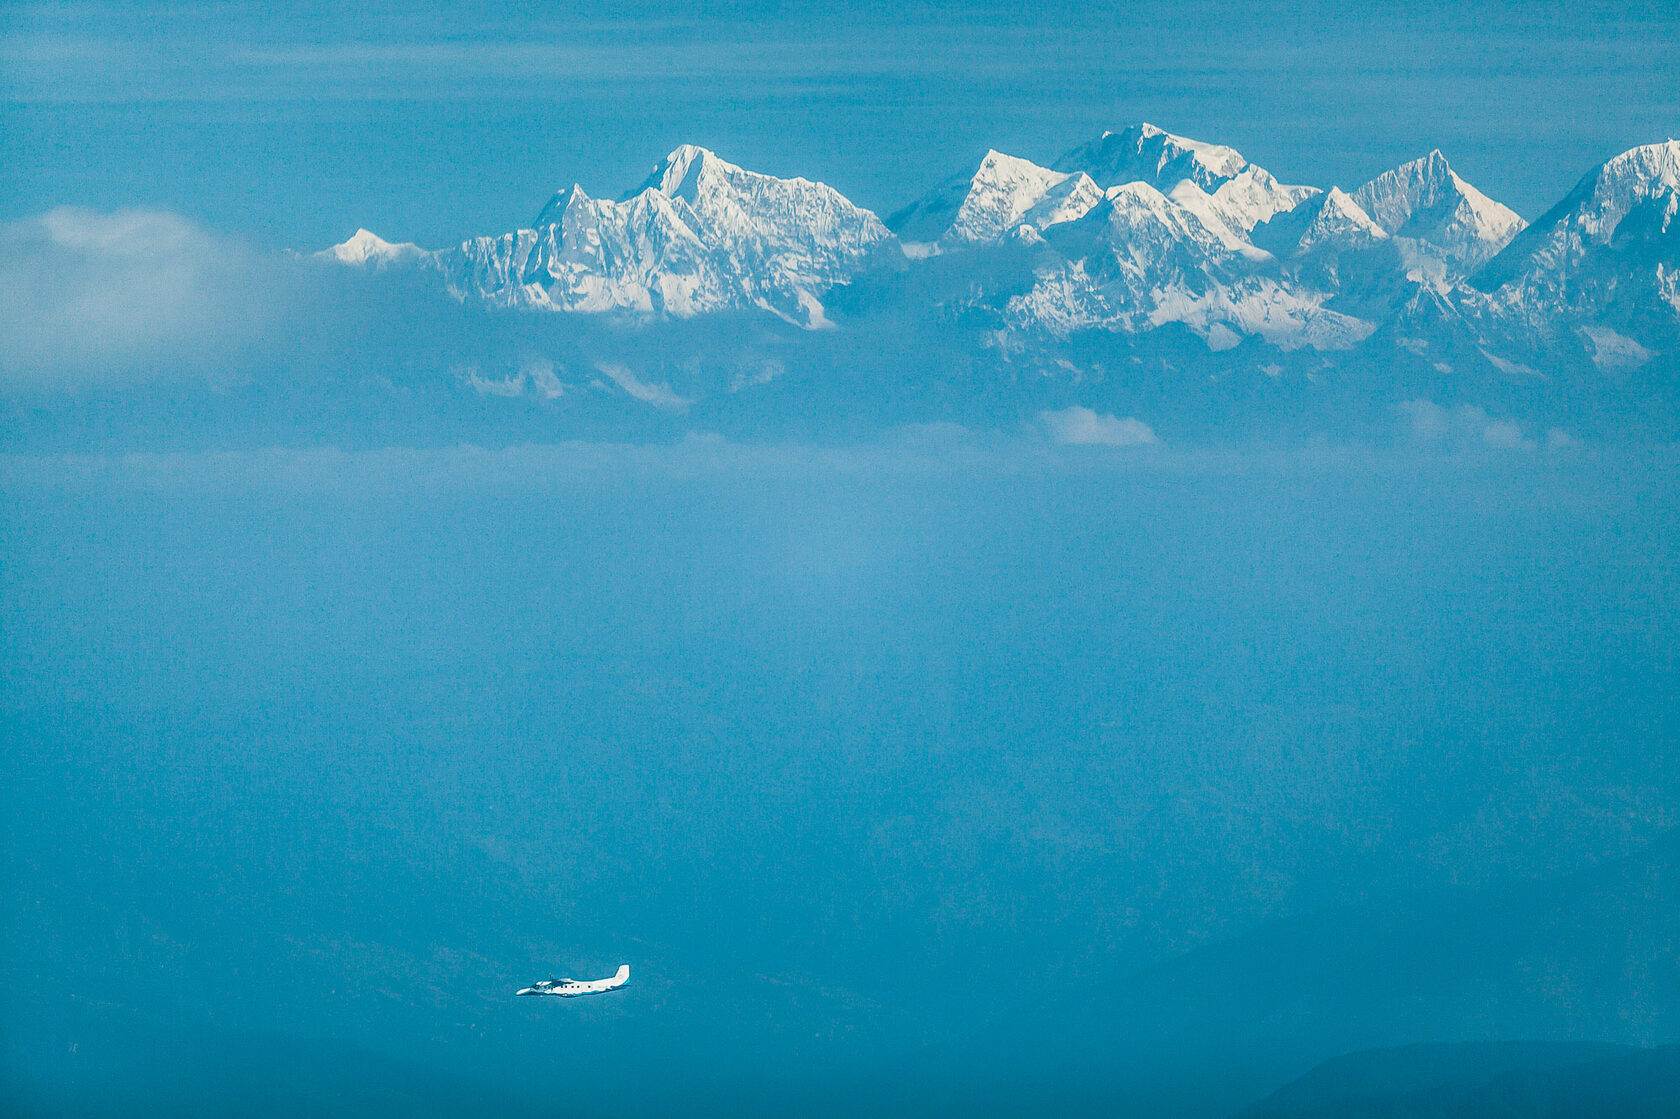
(572, 988)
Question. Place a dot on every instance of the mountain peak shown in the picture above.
(1649, 166)
(1005, 196)
(1143, 152)
(1142, 127)
(678, 174)
(563, 200)
(1331, 221)
(367, 249)
(994, 161)
(1425, 201)
(700, 235)
(1242, 195)
(1617, 229)
(1340, 203)
(1391, 197)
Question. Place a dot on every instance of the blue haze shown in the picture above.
(859, 756)
(917, 764)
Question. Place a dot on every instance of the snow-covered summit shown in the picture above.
(1641, 179)
(1253, 196)
(679, 174)
(1426, 203)
(760, 220)
(1005, 195)
(1328, 222)
(1147, 154)
(368, 250)
(555, 212)
(1142, 216)
(1612, 243)
(1637, 176)
(702, 234)
(1144, 259)
(1242, 194)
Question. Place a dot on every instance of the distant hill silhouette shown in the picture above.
(1490, 1080)
(1593, 956)
(97, 1061)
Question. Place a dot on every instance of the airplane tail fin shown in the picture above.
(623, 974)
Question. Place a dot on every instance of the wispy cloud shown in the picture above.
(84, 64)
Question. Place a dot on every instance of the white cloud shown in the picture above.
(539, 373)
(1468, 425)
(660, 395)
(88, 296)
(492, 386)
(1503, 433)
(1077, 426)
(1510, 368)
(543, 377)
(1428, 420)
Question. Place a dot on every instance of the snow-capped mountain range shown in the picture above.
(1135, 232)
(700, 235)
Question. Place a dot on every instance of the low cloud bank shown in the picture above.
(1469, 425)
(1084, 427)
(89, 297)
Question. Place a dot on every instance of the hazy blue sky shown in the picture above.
(293, 129)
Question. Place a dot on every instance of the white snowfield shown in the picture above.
(572, 988)
(1137, 230)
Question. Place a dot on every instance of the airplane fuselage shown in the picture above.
(572, 988)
